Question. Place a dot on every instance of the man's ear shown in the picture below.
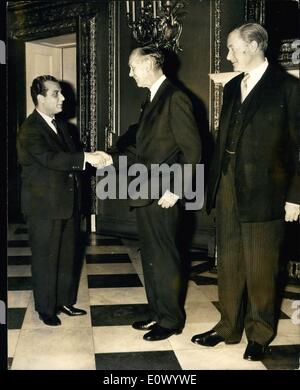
(253, 46)
(40, 98)
(149, 64)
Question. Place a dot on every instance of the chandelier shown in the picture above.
(156, 22)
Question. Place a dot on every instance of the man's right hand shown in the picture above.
(98, 159)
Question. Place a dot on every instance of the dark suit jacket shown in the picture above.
(166, 133)
(267, 157)
(48, 169)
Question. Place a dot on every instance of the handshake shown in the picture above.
(98, 159)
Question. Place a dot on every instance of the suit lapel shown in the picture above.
(157, 98)
(254, 99)
(66, 135)
(50, 134)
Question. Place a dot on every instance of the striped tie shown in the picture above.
(244, 90)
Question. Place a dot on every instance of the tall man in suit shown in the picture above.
(255, 182)
(166, 133)
(50, 201)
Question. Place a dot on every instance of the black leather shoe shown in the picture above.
(71, 311)
(208, 339)
(144, 325)
(50, 320)
(159, 333)
(254, 351)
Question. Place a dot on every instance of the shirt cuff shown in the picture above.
(293, 204)
(84, 162)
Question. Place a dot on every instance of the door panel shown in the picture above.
(41, 60)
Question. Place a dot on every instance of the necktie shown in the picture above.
(244, 86)
(59, 133)
(146, 101)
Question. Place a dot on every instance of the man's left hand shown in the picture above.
(168, 200)
(292, 212)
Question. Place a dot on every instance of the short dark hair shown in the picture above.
(38, 87)
(254, 32)
(154, 52)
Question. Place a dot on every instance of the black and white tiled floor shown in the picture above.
(111, 290)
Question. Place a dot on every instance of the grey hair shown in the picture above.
(254, 32)
(151, 51)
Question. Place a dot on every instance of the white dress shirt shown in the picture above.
(48, 119)
(154, 88)
(255, 75)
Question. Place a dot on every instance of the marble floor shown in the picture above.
(112, 292)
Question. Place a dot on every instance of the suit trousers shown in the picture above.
(55, 264)
(248, 264)
(162, 264)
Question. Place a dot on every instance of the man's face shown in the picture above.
(139, 70)
(52, 103)
(239, 52)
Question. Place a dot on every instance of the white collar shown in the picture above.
(48, 119)
(154, 88)
(256, 74)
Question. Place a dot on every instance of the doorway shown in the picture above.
(55, 56)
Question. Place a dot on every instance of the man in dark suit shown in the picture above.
(255, 182)
(166, 133)
(50, 201)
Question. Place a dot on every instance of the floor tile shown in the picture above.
(118, 314)
(16, 283)
(112, 265)
(18, 298)
(287, 328)
(287, 306)
(105, 250)
(9, 363)
(199, 268)
(110, 269)
(21, 231)
(103, 258)
(55, 349)
(201, 312)
(18, 270)
(104, 242)
(220, 357)
(123, 338)
(292, 295)
(102, 281)
(160, 360)
(293, 288)
(18, 237)
(200, 255)
(210, 291)
(203, 280)
(18, 244)
(19, 251)
(15, 317)
(195, 295)
(19, 260)
(111, 296)
(283, 357)
(12, 341)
